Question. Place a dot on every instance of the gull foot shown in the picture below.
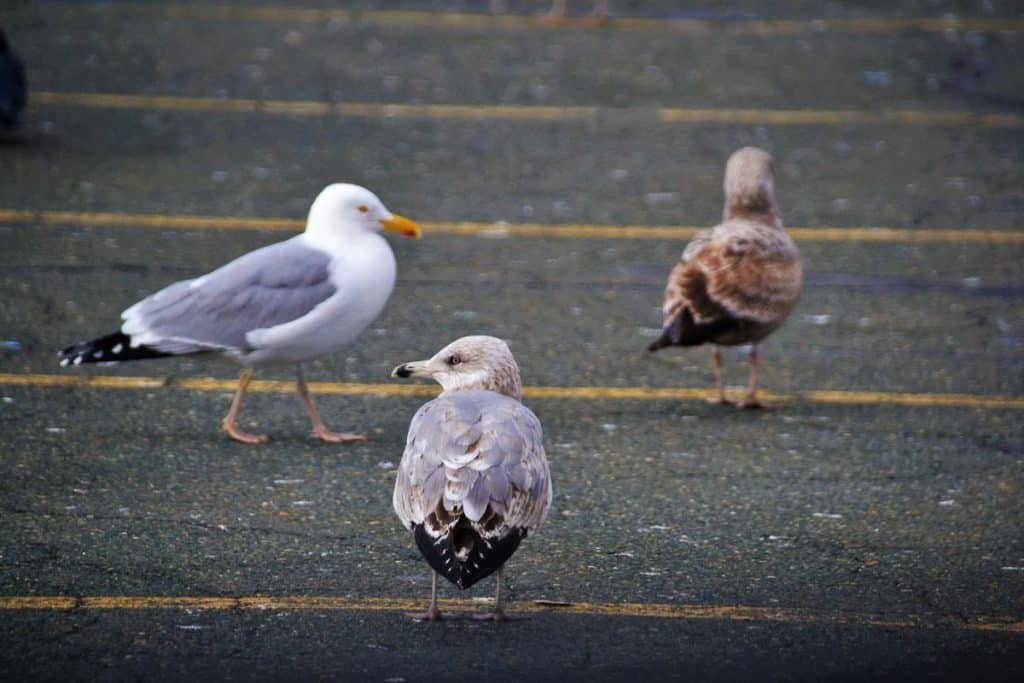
(244, 437)
(337, 437)
(721, 401)
(432, 614)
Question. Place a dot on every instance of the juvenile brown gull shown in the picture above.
(289, 302)
(473, 478)
(737, 282)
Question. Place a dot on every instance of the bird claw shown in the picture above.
(432, 614)
(337, 437)
(722, 401)
(244, 437)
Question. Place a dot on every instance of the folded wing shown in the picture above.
(473, 480)
(267, 287)
(733, 284)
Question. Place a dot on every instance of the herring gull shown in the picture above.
(289, 302)
(737, 282)
(473, 478)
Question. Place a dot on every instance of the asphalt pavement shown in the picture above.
(869, 526)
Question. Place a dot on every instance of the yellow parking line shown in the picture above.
(650, 610)
(484, 112)
(460, 20)
(595, 393)
(573, 231)
(841, 117)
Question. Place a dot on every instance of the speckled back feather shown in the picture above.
(473, 479)
(739, 281)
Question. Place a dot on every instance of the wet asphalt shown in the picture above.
(839, 510)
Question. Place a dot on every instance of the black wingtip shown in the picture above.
(661, 342)
(486, 556)
(111, 348)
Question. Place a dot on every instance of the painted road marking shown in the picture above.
(460, 20)
(655, 610)
(468, 228)
(486, 112)
(595, 393)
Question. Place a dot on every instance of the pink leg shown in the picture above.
(319, 430)
(556, 15)
(499, 613)
(432, 613)
(751, 401)
(599, 14)
(720, 399)
(229, 424)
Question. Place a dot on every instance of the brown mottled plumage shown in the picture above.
(737, 282)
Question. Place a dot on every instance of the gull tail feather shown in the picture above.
(110, 348)
(485, 556)
(661, 342)
(677, 333)
(685, 331)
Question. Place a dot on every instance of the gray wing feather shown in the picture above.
(490, 450)
(262, 289)
(475, 503)
(497, 483)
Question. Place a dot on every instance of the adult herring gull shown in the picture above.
(289, 302)
(737, 282)
(473, 478)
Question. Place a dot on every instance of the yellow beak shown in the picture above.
(401, 225)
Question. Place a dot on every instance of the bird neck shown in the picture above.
(334, 237)
(764, 214)
(505, 381)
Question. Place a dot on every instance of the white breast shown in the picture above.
(363, 270)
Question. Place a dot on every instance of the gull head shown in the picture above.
(477, 362)
(749, 185)
(344, 209)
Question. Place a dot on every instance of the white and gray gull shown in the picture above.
(286, 303)
(473, 478)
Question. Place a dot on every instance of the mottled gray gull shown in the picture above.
(473, 478)
(737, 282)
(289, 302)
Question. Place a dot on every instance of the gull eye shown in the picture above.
(363, 209)
(453, 360)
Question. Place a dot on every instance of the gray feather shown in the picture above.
(433, 488)
(264, 288)
(504, 467)
(475, 503)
